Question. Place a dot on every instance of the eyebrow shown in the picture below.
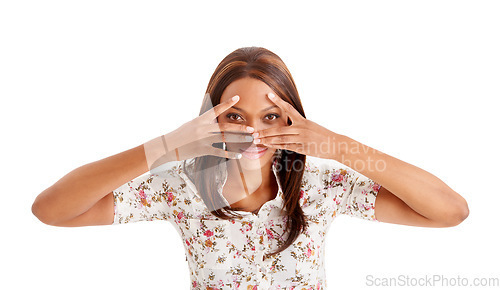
(268, 108)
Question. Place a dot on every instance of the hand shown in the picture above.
(196, 137)
(302, 136)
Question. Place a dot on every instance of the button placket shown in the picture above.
(258, 245)
(260, 249)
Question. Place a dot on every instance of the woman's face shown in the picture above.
(254, 109)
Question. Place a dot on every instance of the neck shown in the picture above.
(245, 188)
(253, 180)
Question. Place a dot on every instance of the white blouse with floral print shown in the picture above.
(230, 254)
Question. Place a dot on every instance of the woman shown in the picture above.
(251, 210)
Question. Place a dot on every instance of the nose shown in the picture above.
(255, 124)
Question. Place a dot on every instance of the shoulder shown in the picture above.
(167, 169)
(167, 176)
(327, 173)
(317, 185)
(319, 167)
(316, 171)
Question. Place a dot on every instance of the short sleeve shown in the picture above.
(145, 198)
(358, 194)
(353, 194)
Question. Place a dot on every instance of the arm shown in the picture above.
(409, 195)
(84, 196)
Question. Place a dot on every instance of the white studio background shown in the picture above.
(83, 80)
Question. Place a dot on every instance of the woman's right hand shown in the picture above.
(195, 138)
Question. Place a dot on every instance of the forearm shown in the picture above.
(80, 189)
(419, 189)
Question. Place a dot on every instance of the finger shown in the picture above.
(229, 138)
(276, 131)
(224, 154)
(287, 107)
(290, 146)
(282, 139)
(220, 108)
(222, 127)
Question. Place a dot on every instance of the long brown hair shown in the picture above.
(266, 66)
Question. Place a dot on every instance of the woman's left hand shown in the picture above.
(302, 136)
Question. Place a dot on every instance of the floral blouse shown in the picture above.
(230, 254)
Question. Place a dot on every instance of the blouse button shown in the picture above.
(261, 248)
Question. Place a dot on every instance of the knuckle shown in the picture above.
(207, 114)
(197, 130)
(199, 122)
(214, 112)
(221, 126)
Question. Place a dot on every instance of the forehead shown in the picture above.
(250, 90)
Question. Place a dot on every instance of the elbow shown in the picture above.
(41, 213)
(37, 212)
(458, 213)
(463, 212)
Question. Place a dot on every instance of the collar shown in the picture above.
(221, 178)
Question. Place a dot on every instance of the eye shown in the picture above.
(276, 116)
(234, 117)
(230, 115)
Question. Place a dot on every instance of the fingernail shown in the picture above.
(250, 129)
(248, 138)
(256, 140)
(271, 96)
(255, 135)
(238, 155)
(235, 98)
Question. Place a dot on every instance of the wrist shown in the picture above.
(157, 153)
(340, 146)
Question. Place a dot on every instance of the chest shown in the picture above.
(250, 202)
